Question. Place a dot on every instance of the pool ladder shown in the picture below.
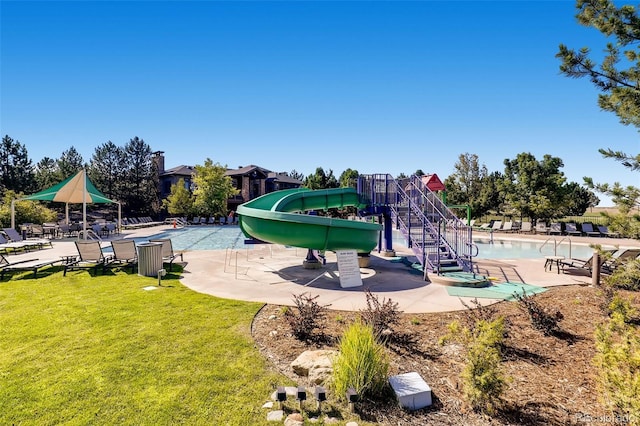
(556, 244)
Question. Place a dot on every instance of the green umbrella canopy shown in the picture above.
(77, 189)
(72, 190)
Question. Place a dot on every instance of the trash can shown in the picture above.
(149, 259)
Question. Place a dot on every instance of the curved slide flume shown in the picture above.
(276, 218)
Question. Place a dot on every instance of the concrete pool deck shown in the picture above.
(274, 273)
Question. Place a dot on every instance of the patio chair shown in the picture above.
(168, 255)
(555, 229)
(507, 227)
(25, 265)
(16, 237)
(541, 227)
(587, 229)
(580, 265)
(11, 246)
(90, 256)
(525, 227)
(571, 228)
(604, 231)
(125, 254)
(621, 257)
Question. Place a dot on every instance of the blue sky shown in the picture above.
(381, 87)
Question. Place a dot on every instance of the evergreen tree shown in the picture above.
(349, 178)
(106, 169)
(140, 194)
(70, 163)
(47, 173)
(321, 180)
(617, 77)
(16, 167)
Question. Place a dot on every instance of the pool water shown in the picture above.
(521, 249)
(223, 237)
(204, 238)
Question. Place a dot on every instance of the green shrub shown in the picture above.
(626, 276)
(362, 363)
(483, 381)
(618, 362)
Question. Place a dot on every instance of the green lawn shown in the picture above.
(101, 350)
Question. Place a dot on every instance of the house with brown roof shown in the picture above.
(252, 181)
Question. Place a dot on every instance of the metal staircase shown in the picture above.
(441, 242)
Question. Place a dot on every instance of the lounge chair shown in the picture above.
(25, 265)
(195, 220)
(621, 257)
(507, 227)
(168, 255)
(11, 246)
(90, 256)
(497, 225)
(587, 229)
(542, 228)
(525, 227)
(555, 229)
(125, 253)
(212, 220)
(585, 265)
(604, 231)
(571, 228)
(16, 237)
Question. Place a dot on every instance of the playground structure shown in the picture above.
(441, 242)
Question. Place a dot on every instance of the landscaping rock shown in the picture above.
(317, 365)
(268, 404)
(294, 419)
(275, 416)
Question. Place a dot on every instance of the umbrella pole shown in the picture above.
(84, 204)
(13, 214)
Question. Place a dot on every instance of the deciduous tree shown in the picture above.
(212, 189)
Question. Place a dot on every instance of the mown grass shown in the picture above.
(101, 350)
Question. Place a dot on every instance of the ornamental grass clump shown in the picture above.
(362, 363)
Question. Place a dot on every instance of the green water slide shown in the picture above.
(277, 218)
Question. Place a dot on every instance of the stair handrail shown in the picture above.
(383, 191)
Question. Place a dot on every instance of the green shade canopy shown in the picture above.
(77, 189)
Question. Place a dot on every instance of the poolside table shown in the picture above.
(551, 260)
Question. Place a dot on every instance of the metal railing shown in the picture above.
(434, 234)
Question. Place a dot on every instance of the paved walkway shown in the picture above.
(273, 274)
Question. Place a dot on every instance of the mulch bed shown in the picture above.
(551, 378)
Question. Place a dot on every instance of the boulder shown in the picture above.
(317, 365)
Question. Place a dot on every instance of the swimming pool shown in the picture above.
(529, 249)
(223, 237)
(204, 237)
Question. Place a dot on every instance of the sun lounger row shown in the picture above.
(212, 220)
(92, 256)
(11, 241)
(507, 226)
(572, 229)
(139, 222)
